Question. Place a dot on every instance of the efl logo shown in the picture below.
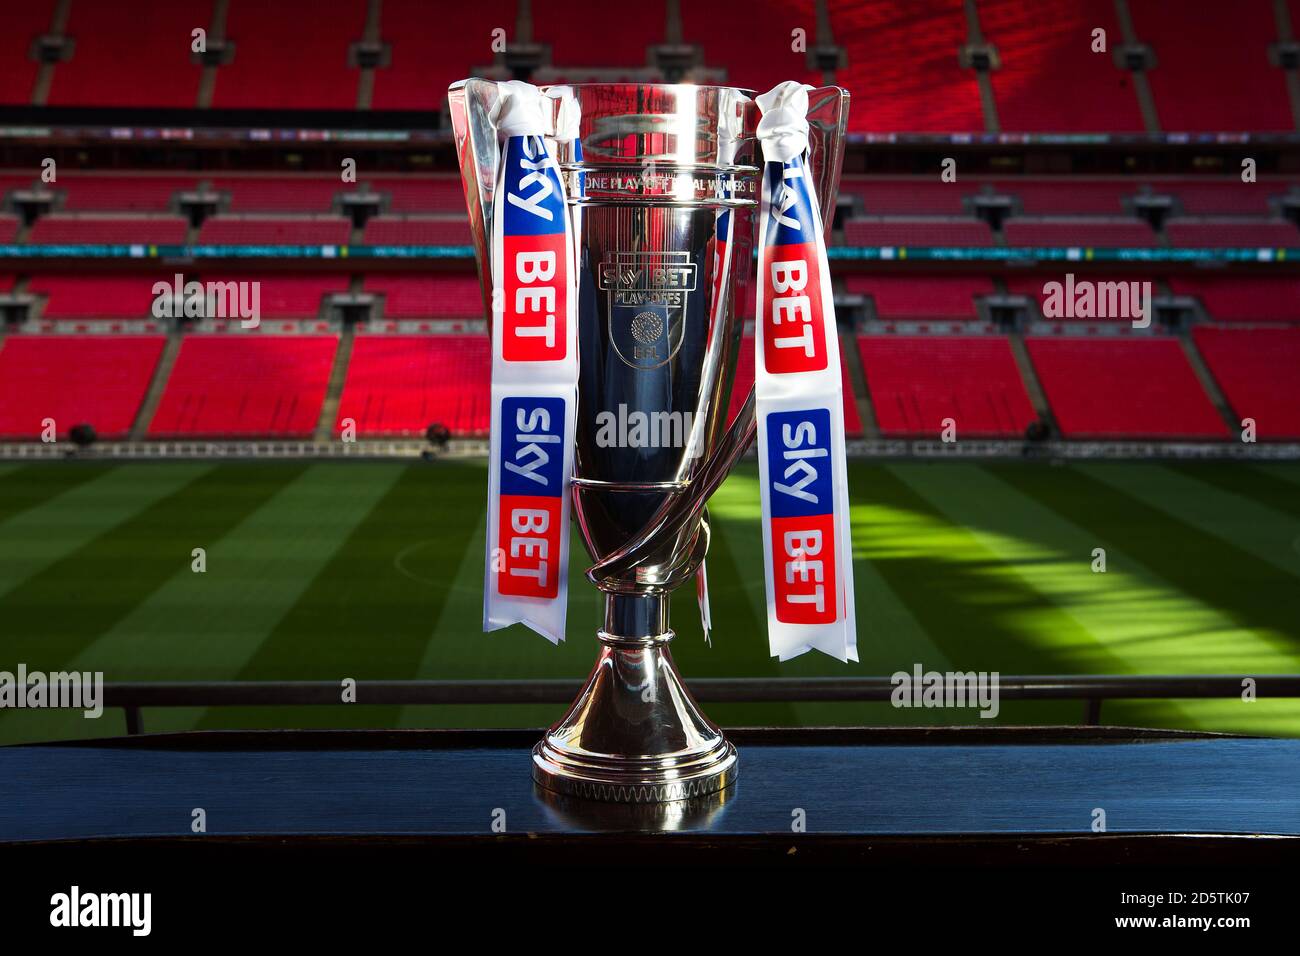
(535, 279)
(803, 516)
(531, 486)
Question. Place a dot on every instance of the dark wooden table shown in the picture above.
(973, 794)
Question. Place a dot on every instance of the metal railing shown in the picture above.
(1091, 690)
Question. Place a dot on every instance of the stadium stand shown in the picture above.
(745, 379)
(758, 59)
(383, 230)
(421, 193)
(906, 54)
(421, 297)
(248, 230)
(74, 379)
(288, 296)
(245, 386)
(1047, 60)
(936, 297)
(1032, 288)
(1078, 232)
(8, 228)
(398, 385)
(1231, 233)
(1112, 387)
(20, 24)
(917, 381)
(917, 231)
(91, 296)
(1257, 371)
(126, 230)
(131, 192)
(906, 195)
(425, 62)
(1221, 197)
(1068, 196)
(1235, 299)
(120, 55)
(641, 25)
(1203, 80)
(291, 193)
(317, 76)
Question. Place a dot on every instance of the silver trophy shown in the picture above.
(664, 182)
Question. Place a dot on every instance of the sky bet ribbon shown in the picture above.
(803, 481)
(534, 375)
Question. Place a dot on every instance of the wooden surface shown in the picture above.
(876, 788)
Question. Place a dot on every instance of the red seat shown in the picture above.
(917, 232)
(441, 193)
(88, 296)
(428, 58)
(1115, 387)
(1047, 60)
(130, 192)
(428, 297)
(921, 297)
(20, 24)
(1253, 299)
(398, 385)
(284, 296)
(1232, 233)
(918, 381)
(131, 53)
(230, 230)
(291, 54)
(384, 231)
(744, 380)
(1256, 369)
(74, 379)
(58, 229)
(1212, 70)
(246, 385)
(294, 193)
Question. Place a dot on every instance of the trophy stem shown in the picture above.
(634, 734)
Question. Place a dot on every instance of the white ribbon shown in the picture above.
(534, 375)
(799, 403)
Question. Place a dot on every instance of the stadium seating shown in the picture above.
(906, 195)
(428, 297)
(1112, 387)
(917, 381)
(130, 192)
(1257, 371)
(754, 58)
(20, 23)
(426, 61)
(932, 297)
(123, 52)
(1203, 196)
(1068, 196)
(1032, 288)
(245, 386)
(1212, 70)
(744, 380)
(385, 231)
(917, 231)
(90, 296)
(316, 76)
(398, 385)
(1242, 299)
(421, 193)
(287, 296)
(158, 230)
(74, 379)
(1081, 232)
(8, 228)
(291, 193)
(905, 54)
(1050, 80)
(239, 230)
(1231, 233)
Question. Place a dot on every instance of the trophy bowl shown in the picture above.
(662, 184)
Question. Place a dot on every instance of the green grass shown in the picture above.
(374, 570)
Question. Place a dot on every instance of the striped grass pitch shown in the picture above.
(374, 571)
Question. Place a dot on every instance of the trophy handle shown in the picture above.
(685, 507)
(828, 122)
(469, 104)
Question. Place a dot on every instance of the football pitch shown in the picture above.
(373, 570)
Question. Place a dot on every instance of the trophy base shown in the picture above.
(635, 734)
